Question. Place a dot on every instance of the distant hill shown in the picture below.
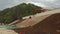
(9, 15)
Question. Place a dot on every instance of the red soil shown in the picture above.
(47, 26)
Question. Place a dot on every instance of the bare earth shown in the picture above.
(37, 18)
(7, 31)
(30, 22)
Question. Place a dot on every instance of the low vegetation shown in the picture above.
(17, 12)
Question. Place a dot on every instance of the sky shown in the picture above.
(43, 3)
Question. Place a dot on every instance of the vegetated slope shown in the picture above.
(31, 21)
(50, 25)
(17, 12)
(36, 18)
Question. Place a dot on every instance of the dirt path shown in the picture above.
(7, 31)
(37, 18)
(32, 21)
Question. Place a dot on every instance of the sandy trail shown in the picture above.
(37, 18)
(32, 21)
(7, 31)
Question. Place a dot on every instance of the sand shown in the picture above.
(7, 31)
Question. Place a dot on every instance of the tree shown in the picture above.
(9, 15)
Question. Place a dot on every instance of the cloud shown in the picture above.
(43, 0)
(39, 4)
(44, 3)
(48, 3)
(50, 0)
(10, 3)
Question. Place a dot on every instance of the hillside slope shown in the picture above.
(36, 18)
(9, 15)
(48, 25)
